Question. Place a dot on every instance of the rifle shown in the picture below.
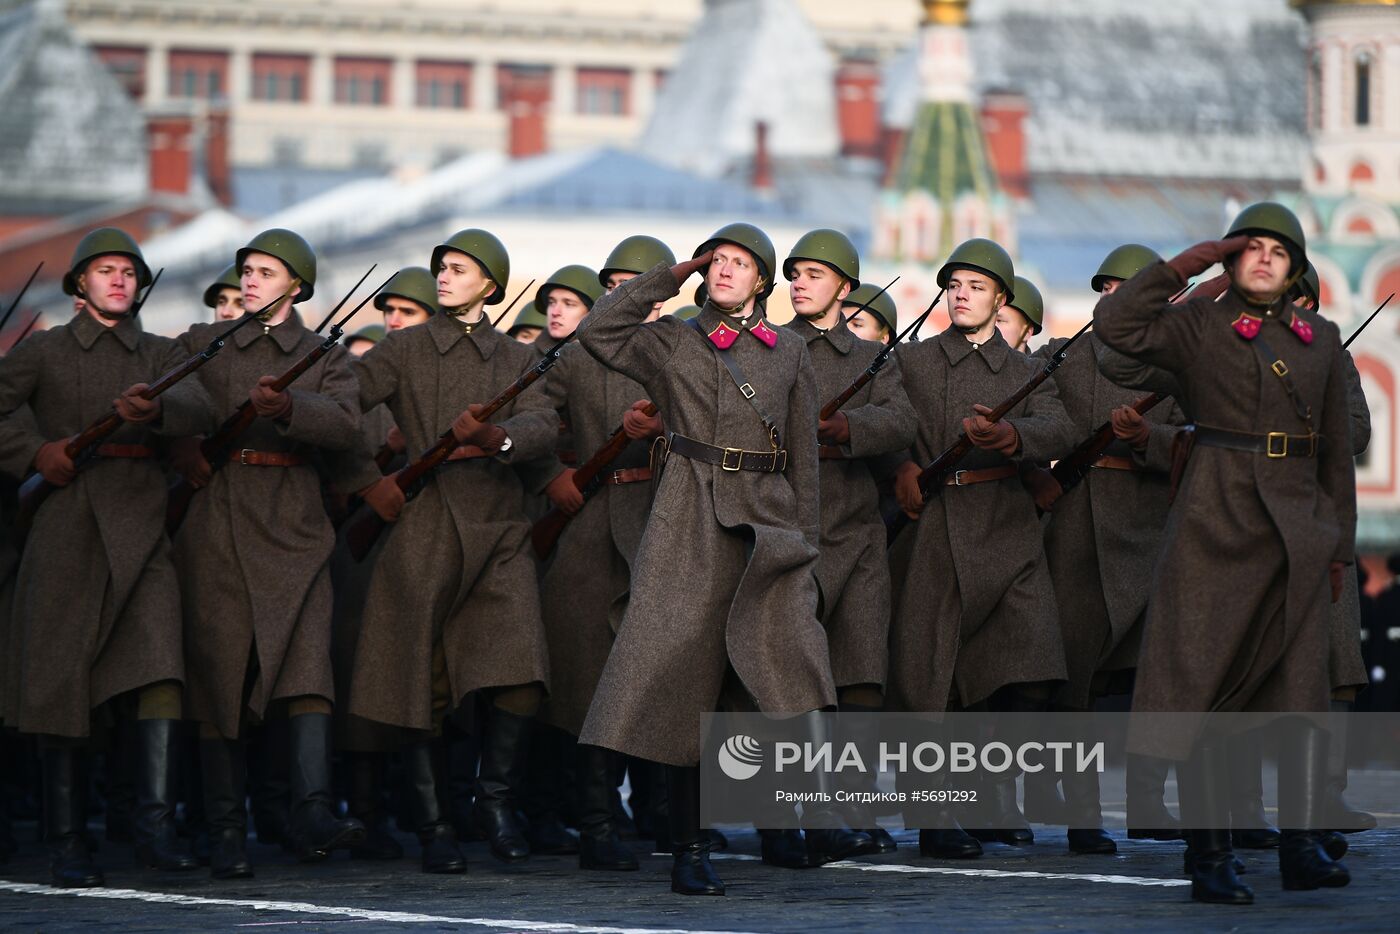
(217, 449)
(83, 447)
(1354, 334)
(141, 302)
(832, 407)
(25, 333)
(15, 303)
(367, 528)
(589, 480)
(1070, 470)
(931, 477)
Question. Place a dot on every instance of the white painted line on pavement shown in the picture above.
(359, 914)
(981, 873)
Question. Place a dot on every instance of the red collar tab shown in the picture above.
(1301, 328)
(1247, 325)
(766, 334)
(723, 336)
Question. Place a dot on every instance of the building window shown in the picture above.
(200, 75)
(604, 91)
(1363, 89)
(128, 65)
(444, 85)
(281, 77)
(514, 80)
(362, 81)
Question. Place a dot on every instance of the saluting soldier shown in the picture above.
(453, 603)
(96, 613)
(1260, 537)
(225, 294)
(974, 623)
(853, 569)
(253, 556)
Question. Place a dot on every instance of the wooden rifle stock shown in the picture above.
(1070, 470)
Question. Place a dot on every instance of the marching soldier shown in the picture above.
(736, 510)
(1261, 537)
(529, 323)
(359, 343)
(253, 555)
(874, 318)
(225, 295)
(453, 604)
(97, 604)
(1020, 321)
(974, 623)
(853, 569)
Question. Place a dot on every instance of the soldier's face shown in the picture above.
(527, 335)
(1014, 326)
(1110, 286)
(815, 288)
(618, 277)
(109, 282)
(732, 278)
(973, 299)
(565, 310)
(400, 313)
(868, 327)
(264, 279)
(229, 304)
(358, 346)
(461, 282)
(1261, 268)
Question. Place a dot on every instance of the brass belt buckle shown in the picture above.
(738, 459)
(1282, 450)
(958, 477)
(243, 455)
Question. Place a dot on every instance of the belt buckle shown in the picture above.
(1312, 444)
(780, 457)
(958, 477)
(243, 455)
(1282, 450)
(738, 459)
(1281, 370)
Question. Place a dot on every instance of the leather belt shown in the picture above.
(828, 452)
(730, 459)
(133, 452)
(1110, 462)
(467, 452)
(969, 477)
(250, 458)
(1273, 444)
(629, 475)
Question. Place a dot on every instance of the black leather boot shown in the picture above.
(1251, 829)
(1302, 776)
(269, 790)
(785, 849)
(949, 842)
(691, 871)
(1148, 817)
(366, 804)
(1043, 802)
(429, 797)
(1008, 823)
(118, 785)
(224, 770)
(1204, 780)
(829, 836)
(866, 742)
(543, 791)
(1188, 859)
(314, 830)
(1085, 834)
(1340, 816)
(65, 818)
(503, 749)
(157, 844)
(600, 844)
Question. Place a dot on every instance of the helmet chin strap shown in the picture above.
(754, 294)
(461, 311)
(293, 289)
(974, 329)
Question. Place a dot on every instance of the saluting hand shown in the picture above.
(563, 494)
(1043, 487)
(683, 271)
(268, 402)
(1197, 259)
(385, 498)
(133, 407)
(468, 429)
(638, 425)
(53, 462)
(906, 489)
(998, 436)
(1130, 426)
(187, 457)
(834, 430)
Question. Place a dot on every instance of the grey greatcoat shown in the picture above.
(583, 592)
(854, 569)
(254, 549)
(1238, 615)
(1347, 668)
(725, 572)
(1104, 535)
(455, 568)
(974, 607)
(97, 607)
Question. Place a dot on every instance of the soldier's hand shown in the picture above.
(385, 498)
(988, 435)
(268, 402)
(638, 425)
(563, 494)
(1129, 426)
(1197, 259)
(683, 271)
(53, 462)
(906, 489)
(1337, 574)
(1044, 488)
(187, 458)
(133, 407)
(834, 430)
(468, 429)
(396, 441)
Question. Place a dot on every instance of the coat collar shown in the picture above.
(446, 331)
(87, 331)
(994, 351)
(839, 336)
(723, 330)
(286, 335)
(1249, 320)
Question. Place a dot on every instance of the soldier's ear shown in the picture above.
(999, 301)
(844, 290)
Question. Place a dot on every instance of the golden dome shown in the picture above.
(946, 12)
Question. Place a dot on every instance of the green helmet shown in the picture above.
(1309, 287)
(105, 241)
(580, 280)
(1124, 262)
(486, 249)
(228, 279)
(752, 239)
(828, 246)
(412, 283)
(528, 317)
(635, 254)
(1029, 303)
(985, 257)
(882, 307)
(294, 252)
(374, 333)
(1274, 220)
(686, 312)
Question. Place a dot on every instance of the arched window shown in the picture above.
(1361, 172)
(1363, 89)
